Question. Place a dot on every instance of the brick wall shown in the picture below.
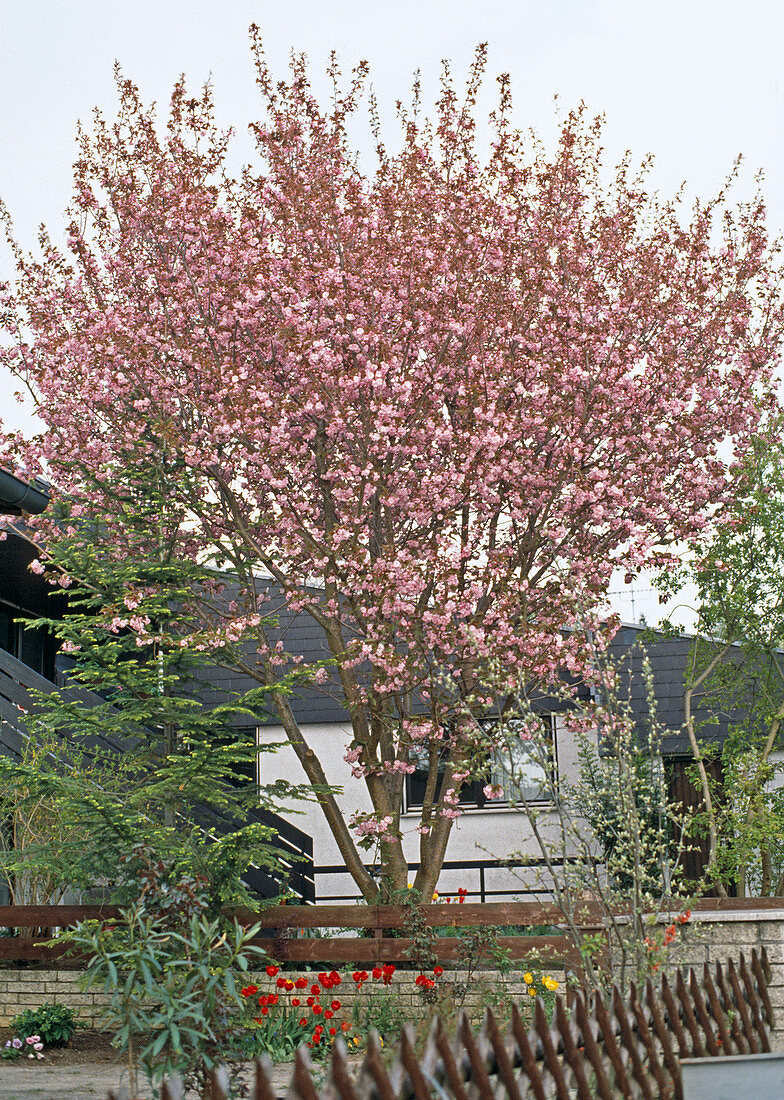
(711, 937)
(24, 988)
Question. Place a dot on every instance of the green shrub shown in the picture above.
(169, 972)
(55, 1024)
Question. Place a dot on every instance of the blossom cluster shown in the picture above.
(440, 404)
(14, 1048)
(655, 947)
(371, 829)
(551, 985)
(426, 982)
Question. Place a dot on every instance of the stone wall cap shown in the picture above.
(733, 916)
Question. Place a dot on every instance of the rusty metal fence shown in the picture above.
(595, 1046)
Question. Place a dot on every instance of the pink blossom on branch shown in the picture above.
(438, 402)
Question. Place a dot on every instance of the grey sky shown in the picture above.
(696, 82)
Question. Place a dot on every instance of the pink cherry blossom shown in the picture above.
(437, 402)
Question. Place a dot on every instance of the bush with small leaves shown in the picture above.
(52, 1024)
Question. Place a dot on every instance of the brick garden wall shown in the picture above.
(25, 988)
(711, 937)
(21, 988)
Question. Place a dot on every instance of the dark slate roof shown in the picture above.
(301, 636)
(668, 657)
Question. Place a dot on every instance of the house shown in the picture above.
(491, 852)
(25, 655)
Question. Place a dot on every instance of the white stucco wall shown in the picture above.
(492, 833)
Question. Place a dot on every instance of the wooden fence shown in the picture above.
(594, 1047)
(378, 934)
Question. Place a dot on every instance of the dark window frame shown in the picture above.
(33, 648)
(472, 796)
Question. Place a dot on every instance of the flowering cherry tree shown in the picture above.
(437, 402)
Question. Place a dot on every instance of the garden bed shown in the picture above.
(88, 1046)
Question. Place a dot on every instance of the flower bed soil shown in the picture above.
(87, 1046)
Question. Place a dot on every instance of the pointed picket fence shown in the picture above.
(595, 1046)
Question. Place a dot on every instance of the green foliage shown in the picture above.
(172, 995)
(623, 798)
(45, 832)
(621, 792)
(740, 576)
(77, 832)
(381, 1012)
(737, 672)
(180, 746)
(612, 842)
(477, 947)
(55, 1024)
(169, 971)
(279, 1036)
(136, 746)
(749, 813)
(538, 983)
(422, 950)
(218, 862)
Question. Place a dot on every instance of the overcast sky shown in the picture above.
(695, 82)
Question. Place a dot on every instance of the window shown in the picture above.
(33, 648)
(522, 769)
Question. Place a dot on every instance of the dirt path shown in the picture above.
(27, 1081)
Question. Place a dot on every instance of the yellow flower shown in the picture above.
(551, 984)
(435, 895)
(531, 990)
(528, 978)
(356, 1040)
(410, 886)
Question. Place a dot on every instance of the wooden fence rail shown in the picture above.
(379, 932)
(595, 1047)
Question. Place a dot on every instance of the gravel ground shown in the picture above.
(26, 1081)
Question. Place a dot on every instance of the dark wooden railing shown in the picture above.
(378, 933)
(18, 682)
(594, 1047)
